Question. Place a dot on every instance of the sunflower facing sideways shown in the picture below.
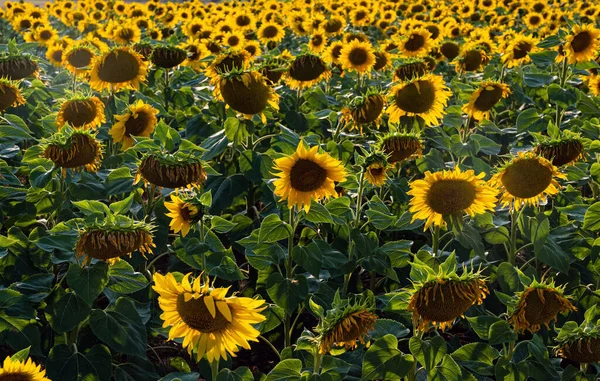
(22, 371)
(582, 44)
(177, 170)
(364, 110)
(139, 120)
(307, 175)
(117, 69)
(81, 111)
(565, 149)
(446, 194)
(209, 322)
(182, 213)
(526, 180)
(485, 98)
(376, 166)
(10, 96)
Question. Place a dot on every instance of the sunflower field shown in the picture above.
(300, 190)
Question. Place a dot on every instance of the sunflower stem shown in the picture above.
(512, 252)
(287, 323)
(264, 339)
(435, 240)
(214, 369)
(166, 90)
(317, 361)
(563, 73)
(298, 99)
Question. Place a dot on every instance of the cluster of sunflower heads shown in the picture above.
(347, 323)
(581, 343)
(440, 295)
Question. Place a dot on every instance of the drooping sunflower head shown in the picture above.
(364, 110)
(440, 297)
(449, 49)
(306, 71)
(307, 175)
(119, 68)
(168, 56)
(210, 323)
(73, 148)
(182, 211)
(539, 304)
(582, 44)
(561, 150)
(81, 111)
(144, 49)
(400, 146)
(174, 171)
(15, 370)
(485, 98)
(358, 56)
(446, 194)
(425, 97)
(10, 95)
(113, 238)
(527, 179)
(139, 120)
(376, 166)
(273, 68)
(409, 69)
(228, 62)
(16, 67)
(580, 343)
(472, 58)
(78, 58)
(347, 322)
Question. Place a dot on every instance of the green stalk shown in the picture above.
(287, 322)
(317, 361)
(512, 252)
(435, 240)
(361, 187)
(166, 89)
(214, 369)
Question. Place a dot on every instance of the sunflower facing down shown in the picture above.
(10, 96)
(306, 71)
(582, 44)
(73, 148)
(181, 213)
(526, 180)
(580, 343)
(81, 112)
(16, 67)
(307, 175)
(400, 146)
(425, 97)
(117, 69)
(139, 120)
(22, 371)
(210, 323)
(364, 110)
(357, 56)
(450, 193)
(484, 99)
(564, 150)
(376, 166)
(178, 170)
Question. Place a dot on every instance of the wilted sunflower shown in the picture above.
(139, 120)
(119, 68)
(416, 44)
(228, 62)
(181, 213)
(582, 44)
(485, 98)
(15, 370)
(399, 146)
(450, 193)
(539, 304)
(561, 151)
(449, 49)
(581, 343)
(364, 110)
(439, 298)
(409, 69)
(346, 322)
(526, 179)
(73, 148)
(81, 112)
(376, 166)
(425, 96)
(174, 171)
(247, 93)
(210, 323)
(10, 96)
(357, 56)
(167, 56)
(113, 238)
(16, 67)
(307, 175)
(306, 71)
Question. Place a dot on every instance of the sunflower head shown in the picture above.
(564, 149)
(144, 49)
(139, 120)
(485, 98)
(357, 56)
(580, 343)
(307, 70)
(375, 167)
(473, 57)
(78, 58)
(10, 96)
(15, 370)
(73, 148)
(440, 297)
(16, 67)
(227, 62)
(81, 111)
(168, 56)
(364, 109)
(409, 69)
(112, 238)
(539, 304)
(183, 211)
(416, 43)
(582, 44)
(174, 171)
(210, 323)
(383, 61)
(119, 68)
(346, 322)
(400, 146)
(527, 179)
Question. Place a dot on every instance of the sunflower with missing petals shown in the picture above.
(72, 148)
(445, 194)
(364, 110)
(22, 371)
(580, 343)
(307, 175)
(400, 146)
(176, 170)
(139, 120)
(425, 96)
(117, 69)
(306, 71)
(582, 44)
(10, 95)
(182, 213)
(485, 98)
(16, 67)
(81, 111)
(357, 56)
(565, 149)
(527, 179)
(209, 322)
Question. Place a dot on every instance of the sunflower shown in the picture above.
(416, 44)
(196, 52)
(10, 96)
(399, 146)
(18, 67)
(167, 57)
(517, 52)
(15, 370)
(526, 179)
(234, 39)
(114, 237)
(376, 166)
(539, 304)
(346, 322)
(581, 343)
(425, 96)
(119, 68)
(582, 44)
(81, 112)
(409, 69)
(181, 213)
(78, 58)
(307, 175)
(209, 322)
(485, 98)
(228, 62)
(449, 49)
(594, 85)
(357, 56)
(174, 171)
(139, 120)
(364, 110)
(54, 54)
(472, 58)
(564, 150)
(317, 42)
(333, 25)
(73, 148)
(333, 52)
(127, 34)
(247, 93)
(270, 32)
(450, 194)
(306, 71)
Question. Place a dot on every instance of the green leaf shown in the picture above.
(318, 214)
(67, 312)
(119, 181)
(339, 208)
(501, 332)
(481, 325)
(206, 199)
(428, 352)
(235, 130)
(14, 130)
(286, 370)
(240, 374)
(447, 370)
(221, 225)
(385, 361)
(124, 280)
(286, 293)
(21, 355)
(477, 357)
(225, 190)
(526, 119)
(309, 257)
(182, 377)
(123, 206)
(591, 219)
(90, 207)
(64, 365)
(88, 282)
(272, 229)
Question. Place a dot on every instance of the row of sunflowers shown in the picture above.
(300, 190)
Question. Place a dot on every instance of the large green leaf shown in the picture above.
(88, 282)
(384, 361)
(65, 365)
